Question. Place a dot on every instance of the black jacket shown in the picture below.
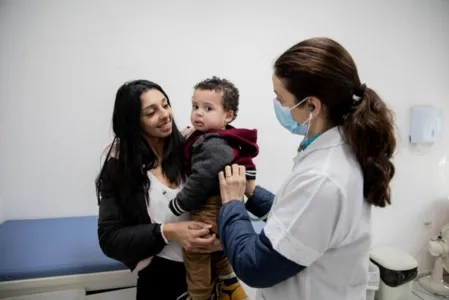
(125, 235)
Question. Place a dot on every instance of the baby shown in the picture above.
(214, 145)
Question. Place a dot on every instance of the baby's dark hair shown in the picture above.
(230, 92)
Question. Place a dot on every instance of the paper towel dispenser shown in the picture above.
(426, 125)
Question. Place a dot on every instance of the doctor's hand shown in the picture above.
(232, 183)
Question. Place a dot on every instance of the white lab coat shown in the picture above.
(320, 220)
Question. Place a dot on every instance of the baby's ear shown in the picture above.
(229, 116)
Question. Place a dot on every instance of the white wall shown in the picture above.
(62, 61)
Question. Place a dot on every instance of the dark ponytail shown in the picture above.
(369, 131)
(322, 68)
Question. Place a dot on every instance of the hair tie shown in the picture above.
(358, 93)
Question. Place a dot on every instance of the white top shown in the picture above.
(159, 212)
(320, 220)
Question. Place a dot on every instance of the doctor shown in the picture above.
(315, 245)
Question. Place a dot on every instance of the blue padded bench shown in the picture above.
(54, 247)
(51, 247)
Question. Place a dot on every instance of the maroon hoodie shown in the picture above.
(208, 153)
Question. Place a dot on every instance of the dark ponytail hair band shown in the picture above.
(358, 93)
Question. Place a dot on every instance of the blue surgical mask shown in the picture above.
(284, 116)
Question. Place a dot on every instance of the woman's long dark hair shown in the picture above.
(322, 68)
(131, 149)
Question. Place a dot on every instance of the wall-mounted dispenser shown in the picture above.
(426, 125)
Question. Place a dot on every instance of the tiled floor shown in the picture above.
(250, 291)
(129, 294)
(420, 294)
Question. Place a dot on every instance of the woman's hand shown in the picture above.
(216, 244)
(187, 132)
(232, 183)
(192, 236)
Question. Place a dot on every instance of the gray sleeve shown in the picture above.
(210, 155)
